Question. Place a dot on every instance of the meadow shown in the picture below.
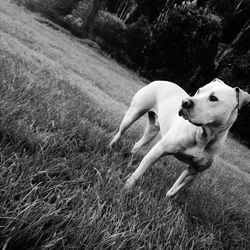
(61, 100)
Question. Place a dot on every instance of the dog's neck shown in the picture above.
(216, 133)
(213, 134)
(210, 135)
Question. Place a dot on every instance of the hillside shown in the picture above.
(60, 103)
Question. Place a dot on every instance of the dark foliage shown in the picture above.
(235, 69)
(174, 50)
(150, 9)
(111, 29)
(137, 36)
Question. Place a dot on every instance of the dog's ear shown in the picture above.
(243, 97)
(218, 80)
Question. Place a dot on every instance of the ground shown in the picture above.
(61, 100)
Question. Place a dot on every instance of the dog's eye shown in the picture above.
(213, 98)
(197, 92)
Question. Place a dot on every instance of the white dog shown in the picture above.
(193, 129)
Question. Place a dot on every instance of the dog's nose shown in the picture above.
(187, 103)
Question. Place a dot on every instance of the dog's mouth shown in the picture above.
(183, 114)
(180, 112)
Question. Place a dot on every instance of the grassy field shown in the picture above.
(60, 103)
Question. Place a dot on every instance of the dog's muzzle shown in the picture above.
(186, 105)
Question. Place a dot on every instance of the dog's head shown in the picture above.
(214, 104)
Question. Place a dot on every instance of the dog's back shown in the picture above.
(164, 99)
(158, 91)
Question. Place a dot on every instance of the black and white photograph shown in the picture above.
(124, 125)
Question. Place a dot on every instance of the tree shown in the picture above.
(65, 7)
(148, 8)
(236, 31)
(177, 42)
(113, 5)
(229, 48)
(96, 6)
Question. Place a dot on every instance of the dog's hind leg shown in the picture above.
(149, 134)
(130, 117)
(151, 130)
(142, 102)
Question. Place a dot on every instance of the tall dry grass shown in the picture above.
(60, 103)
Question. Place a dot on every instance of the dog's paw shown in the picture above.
(125, 190)
(170, 194)
(111, 145)
(127, 186)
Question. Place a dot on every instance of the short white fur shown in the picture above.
(193, 129)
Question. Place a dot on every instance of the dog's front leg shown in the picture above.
(150, 158)
(185, 178)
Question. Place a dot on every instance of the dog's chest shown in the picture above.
(193, 155)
